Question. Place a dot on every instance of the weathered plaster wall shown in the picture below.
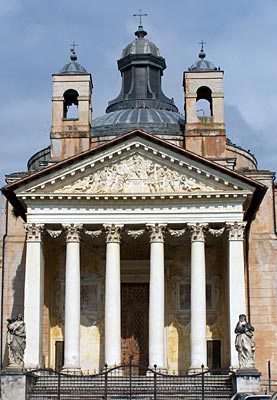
(263, 278)
(13, 241)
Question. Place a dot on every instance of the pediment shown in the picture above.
(135, 174)
(135, 167)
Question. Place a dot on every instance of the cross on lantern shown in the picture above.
(140, 14)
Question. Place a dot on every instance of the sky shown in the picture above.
(36, 35)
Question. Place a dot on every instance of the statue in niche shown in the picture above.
(244, 343)
(16, 340)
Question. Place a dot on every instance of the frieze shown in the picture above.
(135, 234)
(177, 232)
(135, 174)
(93, 234)
(216, 232)
(54, 233)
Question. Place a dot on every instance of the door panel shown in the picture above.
(134, 320)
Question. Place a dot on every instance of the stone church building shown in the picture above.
(142, 232)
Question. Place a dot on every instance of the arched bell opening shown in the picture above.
(70, 104)
(204, 103)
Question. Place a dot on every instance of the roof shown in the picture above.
(73, 67)
(154, 121)
(202, 64)
(258, 188)
(141, 45)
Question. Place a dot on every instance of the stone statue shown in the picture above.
(16, 340)
(244, 343)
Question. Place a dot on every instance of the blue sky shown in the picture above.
(35, 42)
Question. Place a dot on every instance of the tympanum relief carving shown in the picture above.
(135, 174)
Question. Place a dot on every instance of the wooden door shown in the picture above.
(214, 354)
(134, 324)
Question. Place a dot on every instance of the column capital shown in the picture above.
(236, 230)
(113, 233)
(72, 232)
(197, 231)
(157, 232)
(34, 232)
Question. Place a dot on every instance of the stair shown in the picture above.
(92, 387)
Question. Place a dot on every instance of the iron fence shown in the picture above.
(125, 382)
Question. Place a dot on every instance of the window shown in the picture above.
(204, 105)
(70, 104)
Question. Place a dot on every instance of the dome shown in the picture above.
(202, 64)
(73, 67)
(141, 45)
(151, 120)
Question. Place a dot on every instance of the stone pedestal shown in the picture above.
(247, 380)
(14, 384)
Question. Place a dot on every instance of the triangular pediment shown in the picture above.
(136, 174)
(135, 167)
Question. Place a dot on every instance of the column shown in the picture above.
(156, 296)
(112, 296)
(72, 298)
(198, 298)
(33, 296)
(237, 304)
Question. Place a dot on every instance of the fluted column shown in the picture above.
(237, 304)
(72, 298)
(33, 296)
(112, 296)
(157, 296)
(198, 297)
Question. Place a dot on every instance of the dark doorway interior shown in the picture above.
(214, 354)
(134, 324)
(59, 354)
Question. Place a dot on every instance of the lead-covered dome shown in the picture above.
(202, 64)
(73, 67)
(141, 102)
(141, 45)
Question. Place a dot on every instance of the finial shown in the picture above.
(73, 55)
(202, 53)
(140, 33)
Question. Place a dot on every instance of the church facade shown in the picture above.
(142, 233)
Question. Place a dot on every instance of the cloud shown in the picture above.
(9, 6)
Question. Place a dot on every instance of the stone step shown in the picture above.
(167, 387)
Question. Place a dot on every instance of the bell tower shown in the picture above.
(204, 109)
(71, 110)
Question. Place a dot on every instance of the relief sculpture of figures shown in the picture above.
(244, 343)
(135, 175)
(16, 340)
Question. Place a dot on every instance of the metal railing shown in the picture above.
(125, 382)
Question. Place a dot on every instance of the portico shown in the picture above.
(157, 234)
(136, 213)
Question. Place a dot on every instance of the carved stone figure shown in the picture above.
(244, 343)
(16, 340)
(135, 175)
